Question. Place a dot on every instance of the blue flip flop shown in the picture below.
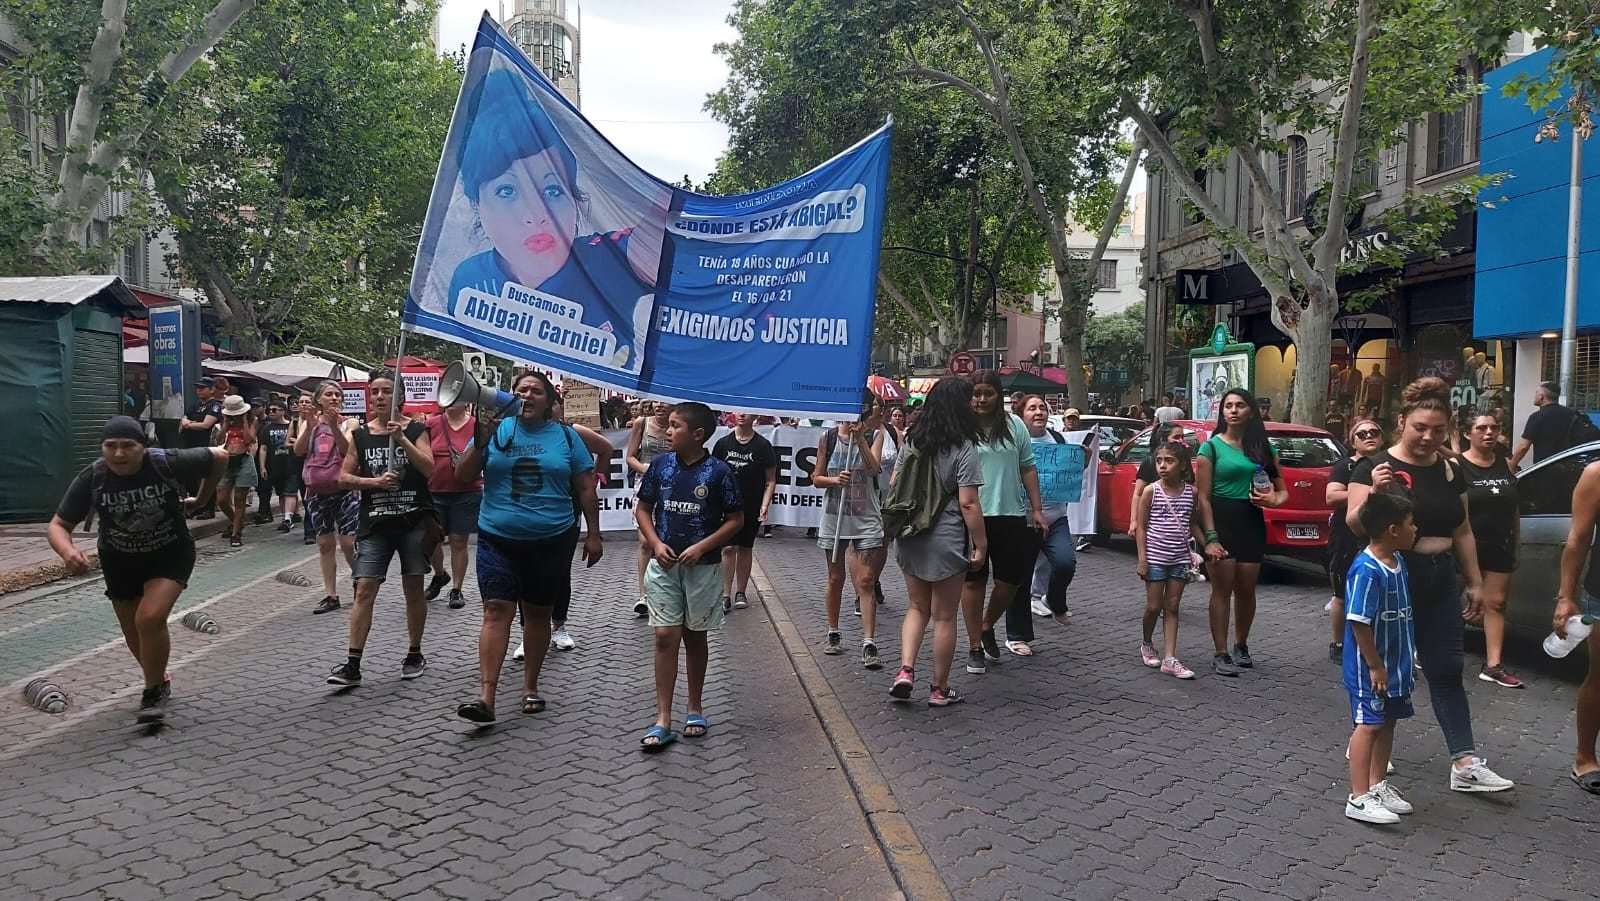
(663, 737)
(693, 720)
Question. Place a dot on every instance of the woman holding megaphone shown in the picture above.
(537, 476)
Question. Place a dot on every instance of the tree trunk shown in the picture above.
(93, 159)
(1072, 344)
(1313, 352)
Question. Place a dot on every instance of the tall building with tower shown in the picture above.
(542, 30)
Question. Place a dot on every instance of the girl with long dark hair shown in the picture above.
(936, 561)
(1005, 453)
(1236, 536)
(1415, 467)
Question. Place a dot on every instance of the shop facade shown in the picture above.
(1520, 278)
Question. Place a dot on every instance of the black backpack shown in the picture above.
(1582, 430)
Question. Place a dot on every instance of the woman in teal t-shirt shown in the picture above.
(1014, 528)
(1236, 530)
(537, 484)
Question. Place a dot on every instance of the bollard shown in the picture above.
(47, 696)
(201, 621)
(294, 577)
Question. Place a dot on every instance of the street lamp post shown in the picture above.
(1569, 312)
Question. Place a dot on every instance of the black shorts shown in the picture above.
(1008, 551)
(746, 536)
(1497, 554)
(126, 574)
(1241, 529)
(528, 573)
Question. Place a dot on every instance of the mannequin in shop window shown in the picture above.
(1349, 384)
(1372, 388)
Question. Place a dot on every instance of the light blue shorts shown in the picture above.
(1162, 572)
(687, 596)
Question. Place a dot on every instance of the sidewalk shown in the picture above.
(270, 784)
(26, 559)
(1080, 773)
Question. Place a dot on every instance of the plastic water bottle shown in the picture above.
(1259, 482)
(1578, 628)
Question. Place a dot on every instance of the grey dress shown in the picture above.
(942, 551)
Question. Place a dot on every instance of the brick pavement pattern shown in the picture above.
(269, 784)
(1080, 773)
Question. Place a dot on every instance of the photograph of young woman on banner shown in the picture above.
(586, 241)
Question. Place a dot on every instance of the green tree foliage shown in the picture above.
(1212, 80)
(1117, 336)
(112, 68)
(1571, 28)
(298, 187)
(998, 137)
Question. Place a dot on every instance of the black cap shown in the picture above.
(205, 383)
(258, 400)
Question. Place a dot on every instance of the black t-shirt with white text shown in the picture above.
(749, 461)
(139, 513)
(274, 437)
(372, 461)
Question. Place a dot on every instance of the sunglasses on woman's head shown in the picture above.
(1368, 433)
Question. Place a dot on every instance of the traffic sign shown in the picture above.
(963, 363)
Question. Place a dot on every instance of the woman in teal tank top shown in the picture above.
(1236, 530)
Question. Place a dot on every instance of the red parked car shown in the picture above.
(1306, 456)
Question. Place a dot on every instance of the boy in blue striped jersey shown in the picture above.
(1378, 654)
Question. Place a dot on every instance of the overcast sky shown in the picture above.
(647, 66)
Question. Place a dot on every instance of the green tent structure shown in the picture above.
(1028, 383)
(60, 380)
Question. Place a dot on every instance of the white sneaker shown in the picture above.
(1368, 809)
(1390, 797)
(562, 639)
(1040, 608)
(517, 654)
(1387, 772)
(642, 608)
(1477, 777)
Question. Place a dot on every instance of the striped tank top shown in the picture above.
(1166, 541)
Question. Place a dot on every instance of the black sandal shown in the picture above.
(477, 712)
(533, 704)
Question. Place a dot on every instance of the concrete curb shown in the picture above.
(909, 862)
(53, 570)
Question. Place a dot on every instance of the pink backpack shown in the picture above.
(321, 472)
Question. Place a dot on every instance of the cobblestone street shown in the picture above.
(269, 784)
(1076, 773)
(1079, 773)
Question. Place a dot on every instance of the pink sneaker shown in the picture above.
(1172, 667)
(1149, 656)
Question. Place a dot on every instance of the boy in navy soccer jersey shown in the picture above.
(1378, 654)
(688, 508)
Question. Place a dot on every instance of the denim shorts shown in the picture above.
(458, 511)
(1159, 572)
(1377, 711)
(1590, 604)
(527, 573)
(378, 547)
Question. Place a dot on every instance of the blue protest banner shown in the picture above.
(543, 243)
(1061, 471)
